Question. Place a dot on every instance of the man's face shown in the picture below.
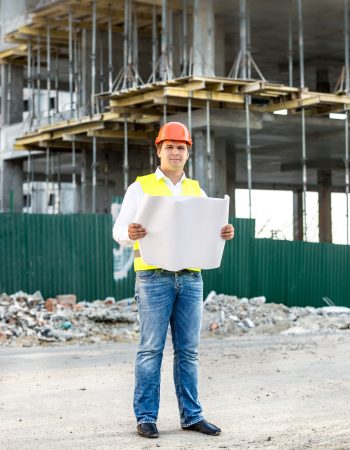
(173, 155)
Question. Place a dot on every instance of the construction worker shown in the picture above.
(165, 297)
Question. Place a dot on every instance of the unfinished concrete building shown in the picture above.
(85, 85)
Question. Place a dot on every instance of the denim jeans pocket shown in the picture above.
(147, 274)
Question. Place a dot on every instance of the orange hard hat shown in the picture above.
(174, 131)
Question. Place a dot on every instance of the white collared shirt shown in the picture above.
(132, 199)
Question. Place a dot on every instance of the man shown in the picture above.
(164, 297)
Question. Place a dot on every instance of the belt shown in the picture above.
(177, 272)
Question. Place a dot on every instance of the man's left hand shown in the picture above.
(227, 232)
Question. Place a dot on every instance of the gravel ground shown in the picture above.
(264, 391)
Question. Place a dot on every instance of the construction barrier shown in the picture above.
(60, 254)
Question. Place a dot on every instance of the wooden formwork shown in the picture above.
(142, 107)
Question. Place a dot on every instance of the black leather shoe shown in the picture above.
(148, 430)
(204, 427)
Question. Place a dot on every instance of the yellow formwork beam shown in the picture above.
(31, 31)
(203, 95)
(11, 54)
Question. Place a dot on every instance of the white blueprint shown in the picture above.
(183, 232)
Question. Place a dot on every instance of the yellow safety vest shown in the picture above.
(150, 185)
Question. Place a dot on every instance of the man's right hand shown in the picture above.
(136, 231)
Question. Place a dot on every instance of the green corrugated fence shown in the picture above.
(59, 254)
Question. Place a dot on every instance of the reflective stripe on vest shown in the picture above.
(150, 185)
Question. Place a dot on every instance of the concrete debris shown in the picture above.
(30, 320)
(226, 315)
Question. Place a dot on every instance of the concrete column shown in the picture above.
(220, 188)
(322, 80)
(298, 216)
(12, 84)
(220, 61)
(201, 162)
(231, 178)
(177, 37)
(11, 186)
(203, 38)
(324, 181)
(13, 14)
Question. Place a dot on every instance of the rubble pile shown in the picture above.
(226, 315)
(29, 319)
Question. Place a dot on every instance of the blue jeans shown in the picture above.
(177, 298)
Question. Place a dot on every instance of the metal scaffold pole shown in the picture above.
(8, 97)
(29, 183)
(56, 82)
(83, 73)
(243, 37)
(38, 82)
(126, 155)
(164, 44)
(101, 73)
(48, 58)
(70, 58)
(171, 41)
(47, 177)
(74, 176)
(164, 110)
(210, 168)
(347, 88)
(130, 48)
(34, 106)
(30, 84)
(154, 43)
(93, 106)
(125, 43)
(185, 39)
(249, 41)
(248, 154)
(59, 186)
(93, 166)
(290, 43)
(52, 177)
(303, 126)
(245, 63)
(106, 173)
(135, 50)
(189, 120)
(93, 59)
(82, 197)
(110, 53)
(77, 78)
(32, 186)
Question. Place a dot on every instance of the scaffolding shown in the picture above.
(112, 103)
